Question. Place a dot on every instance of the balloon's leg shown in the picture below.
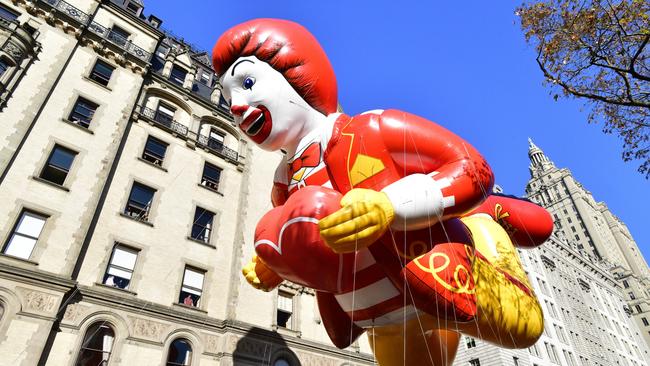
(414, 343)
(508, 312)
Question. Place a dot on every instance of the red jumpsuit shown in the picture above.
(390, 281)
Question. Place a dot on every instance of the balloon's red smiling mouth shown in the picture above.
(257, 124)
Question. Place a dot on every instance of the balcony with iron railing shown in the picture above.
(81, 17)
(69, 10)
(167, 123)
(120, 41)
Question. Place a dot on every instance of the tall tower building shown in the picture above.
(584, 279)
(593, 230)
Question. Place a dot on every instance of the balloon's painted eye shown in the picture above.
(248, 83)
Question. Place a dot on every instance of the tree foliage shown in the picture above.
(598, 50)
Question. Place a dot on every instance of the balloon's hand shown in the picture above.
(364, 217)
(260, 276)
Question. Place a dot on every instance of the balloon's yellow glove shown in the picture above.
(260, 276)
(364, 217)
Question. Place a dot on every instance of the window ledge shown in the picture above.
(183, 306)
(201, 242)
(210, 189)
(152, 164)
(114, 288)
(77, 126)
(287, 331)
(52, 184)
(97, 83)
(136, 220)
(22, 260)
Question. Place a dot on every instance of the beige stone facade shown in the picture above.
(129, 201)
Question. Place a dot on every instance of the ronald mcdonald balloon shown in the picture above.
(388, 216)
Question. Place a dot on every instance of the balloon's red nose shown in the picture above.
(238, 110)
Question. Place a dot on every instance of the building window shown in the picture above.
(645, 321)
(632, 297)
(178, 75)
(625, 284)
(120, 267)
(204, 78)
(475, 362)
(119, 35)
(192, 288)
(25, 234)
(165, 113)
(284, 310)
(154, 151)
(102, 72)
(470, 342)
(58, 165)
(83, 112)
(139, 202)
(180, 353)
(3, 67)
(515, 360)
(133, 8)
(8, 14)
(282, 362)
(97, 345)
(211, 176)
(638, 308)
(202, 225)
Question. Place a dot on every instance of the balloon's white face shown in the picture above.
(265, 106)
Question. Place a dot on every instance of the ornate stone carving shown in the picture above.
(38, 301)
(73, 312)
(14, 51)
(211, 343)
(308, 359)
(248, 347)
(148, 329)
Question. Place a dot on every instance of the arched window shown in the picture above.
(97, 345)
(281, 362)
(180, 353)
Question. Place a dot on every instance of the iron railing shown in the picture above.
(217, 147)
(120, 41)
(162, 120)
(68, 10)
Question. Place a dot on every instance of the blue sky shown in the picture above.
(464, 65)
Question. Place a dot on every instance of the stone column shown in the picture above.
(189, 78)
(169, 64)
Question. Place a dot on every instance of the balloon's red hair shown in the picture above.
(290, 49)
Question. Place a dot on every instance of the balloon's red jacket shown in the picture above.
(420, 166)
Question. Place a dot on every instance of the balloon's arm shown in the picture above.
(445, 175)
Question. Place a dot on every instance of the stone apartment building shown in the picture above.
(129, 200)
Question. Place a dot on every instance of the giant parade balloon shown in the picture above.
(389, 217)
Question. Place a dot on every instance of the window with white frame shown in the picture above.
(25, 235)
(154, 151)
(165, 113)
(192, 288)
(284, 311)
(470, 342)
(211, 176)
(121, 266)
(139, 203)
